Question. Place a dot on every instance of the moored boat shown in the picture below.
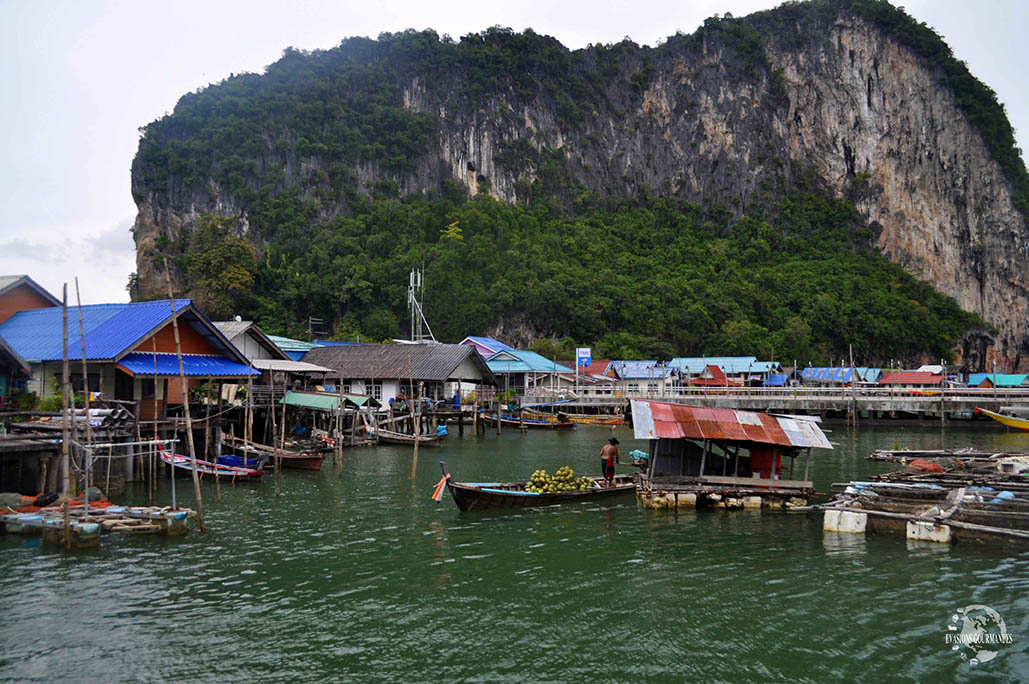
(207, 468)
(531, 423)
(393, 437)
(488, 496)
(1009, 421)
(577, 418)
(300, 454)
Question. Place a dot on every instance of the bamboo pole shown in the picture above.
(414, 462)
(65, 423)
(85, 390)
(207, 439)
(338, 446)
(248, 429)
(185, 405)
(153, 450)
(282, 442)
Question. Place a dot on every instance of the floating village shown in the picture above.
(95, 397)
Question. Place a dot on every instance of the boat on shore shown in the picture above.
(1008, 421)
(507, 420)
(182, 463)
(489, 496)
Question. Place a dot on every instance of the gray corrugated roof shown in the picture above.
(9, 281)
(431, 362)
(232, 328)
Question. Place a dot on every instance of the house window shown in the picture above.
(652, 387)
(346, 388)
(377, 391)
(147, 388)
(634, 388)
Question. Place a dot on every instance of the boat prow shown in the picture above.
(1009, 421)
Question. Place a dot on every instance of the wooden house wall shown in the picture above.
(21, 298)
(192, 341)
(251, 348)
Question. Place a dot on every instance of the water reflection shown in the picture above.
(843, 544)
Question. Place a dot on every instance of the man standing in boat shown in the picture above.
(608, 458)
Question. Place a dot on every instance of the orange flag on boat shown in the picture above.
(437, 494)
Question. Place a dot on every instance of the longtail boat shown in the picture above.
(531, 423)
(577, 418)
(393, 437)
(207, 468)
(1009, 421)
(304, 455)
(488, 496)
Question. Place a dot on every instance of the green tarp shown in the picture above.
(324, 401)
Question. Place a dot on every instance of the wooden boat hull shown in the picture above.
(303, 460)
(309, 456)
(530, 423)
(1009, 421)
(499, 496)
(390, 437)
(182, 463)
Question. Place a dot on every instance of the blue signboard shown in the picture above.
(583, 356)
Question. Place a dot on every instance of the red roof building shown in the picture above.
(911, 379)
(712, 376)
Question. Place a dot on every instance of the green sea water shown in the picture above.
(366, 579)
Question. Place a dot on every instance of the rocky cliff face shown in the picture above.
(721, 117)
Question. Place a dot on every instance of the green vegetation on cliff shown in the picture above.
(649, 278)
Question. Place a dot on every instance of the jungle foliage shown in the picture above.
(650, 278)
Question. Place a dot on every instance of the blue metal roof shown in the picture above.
(288, 344)
(110, 329)
(999, 379)
(521, 361)
(641, 370)
(335, 343)
(490, 343)
(836, 374)
(193, 365)
(694, 365)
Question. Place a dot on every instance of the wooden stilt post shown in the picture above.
(338, 450)
(207, 438)
(414, 461)
(185, 406)
(66, 425)
(85, 391)
(282, 441)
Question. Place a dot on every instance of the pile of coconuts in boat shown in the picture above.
(562, 481)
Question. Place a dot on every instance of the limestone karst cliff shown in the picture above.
(730, 116)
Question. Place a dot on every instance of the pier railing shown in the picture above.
(860, 398)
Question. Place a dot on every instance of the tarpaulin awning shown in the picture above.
(660, 420)
(193, 365)
(325, 401)
(282, 365)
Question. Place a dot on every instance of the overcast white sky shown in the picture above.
(79, 78)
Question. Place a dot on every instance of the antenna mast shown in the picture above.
(415, 296)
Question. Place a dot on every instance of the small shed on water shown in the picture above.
(735, 459)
